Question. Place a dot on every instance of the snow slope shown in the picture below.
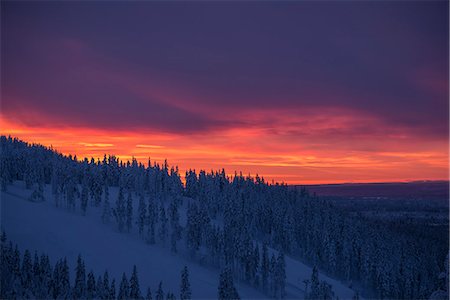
(57, 232)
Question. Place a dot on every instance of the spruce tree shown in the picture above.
(36, 274)
(185, 289)
(174, 225)
(99, 290)
(151, 220)
(162, 233)
(65, 289)
(46, 278)
(142, 214)
(112, 290)
(135, 291)
(315, 284)
(27, 272)
(124, 289)
(119, 211)
(56, 281)
(84, 196)
(80, 279)
(272, 276)
(106, 214)
(149, 294)
(280, 275)
(90, 286)
(106, 288)
(226, 289)
(159, 292)
(265, 267)
(256, 266)
(129, 217)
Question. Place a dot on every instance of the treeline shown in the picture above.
(232, 221)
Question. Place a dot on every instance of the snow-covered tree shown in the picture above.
(280, 276)
(84, 196)
(106, 214)
(159, 292)
(151, 221)
(112, 290)
(27, 272)
(226, 289)
(149, 294)
(99, 291)
(124, 289)
(142, 214)
(185, 287)
(162, 232)
(120, 211)
(175, 226)
(135, 291)
(90, 286)
(106, 287)
(129, 217)
(265, 268)
(80, 279)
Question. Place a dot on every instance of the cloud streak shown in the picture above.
(325, 89)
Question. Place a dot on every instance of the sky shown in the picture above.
(296, 91)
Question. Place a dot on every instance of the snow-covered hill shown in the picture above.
(43, 227)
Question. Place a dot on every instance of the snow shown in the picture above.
(40, 226)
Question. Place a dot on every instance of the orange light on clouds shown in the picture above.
(277, 154)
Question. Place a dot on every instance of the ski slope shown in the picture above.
(40, 226)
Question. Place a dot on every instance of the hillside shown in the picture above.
(42, 227)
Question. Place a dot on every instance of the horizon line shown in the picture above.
(228, 174)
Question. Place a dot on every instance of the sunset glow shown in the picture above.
(268, 154)
(332, 109)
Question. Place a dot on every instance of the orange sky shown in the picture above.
(274, 155)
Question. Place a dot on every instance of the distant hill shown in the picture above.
(429, 189)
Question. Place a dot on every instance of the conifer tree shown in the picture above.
(106, 214)
(280, 275)
(106, 288)
(272, 276)
(129, 217)
(151, 221)
(162, 233)
(99, 290)
(159, 293)
(46, 278)
(36, 274)
(112, 290)
(84, 196)
(142, 214)
(135, 291)
(90, 286)
(265, 267)
(80, 279)
(226, 289)
(124, 289)
(56, 281)
(119, 211)
(65, 290)
(256, 266)
(185, 288)
(149, 294)
(27, 271)
(175, 226)
(315, 284)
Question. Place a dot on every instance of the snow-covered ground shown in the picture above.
(42, 227)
